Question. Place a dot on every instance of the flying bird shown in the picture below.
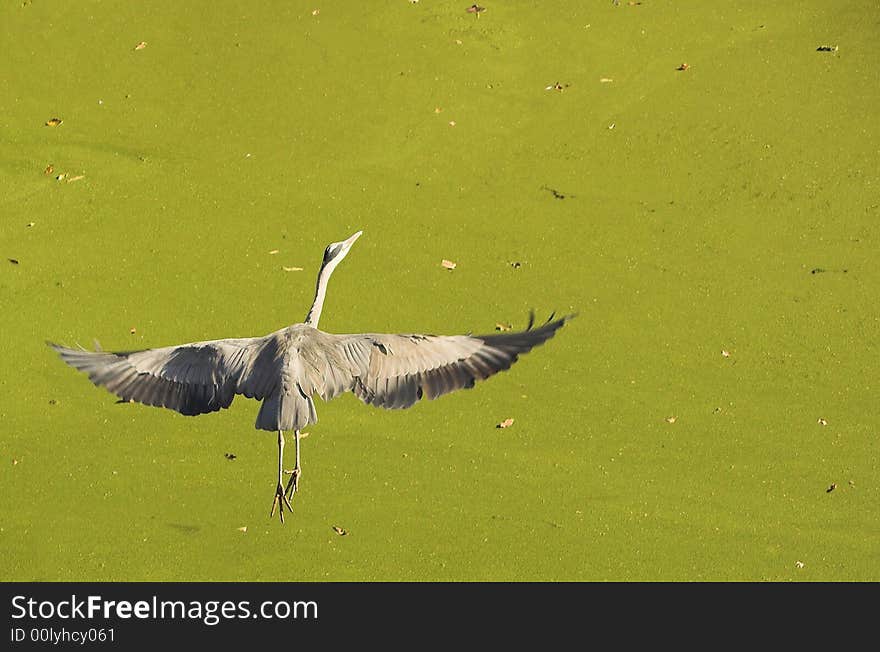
(287, 368)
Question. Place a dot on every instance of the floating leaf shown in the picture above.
(606, 80)
(448, 264)
(340, 531)
(273, 252)
(822, 422)
(54, 122)
(475, 9)
(452, 123)
(14, 261)
(30, 224)
(133, 330)
(292, 269)
(76, 178)
(683, 66)
(242, 528)
(726, 354)
(230, 456)
(505, 424)
(556, 194)
(671, 419)
(49, 169)
(141, 45)
(315, 12)
(831, 488)
(502, 327)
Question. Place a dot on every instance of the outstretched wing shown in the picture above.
(395, 371)
(191, 378)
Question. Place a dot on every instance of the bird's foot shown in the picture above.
(292, 483)
(280, 502)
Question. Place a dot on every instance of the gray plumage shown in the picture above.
(287, 368)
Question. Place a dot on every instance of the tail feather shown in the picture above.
(286, 411)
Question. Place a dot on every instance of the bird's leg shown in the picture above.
(296, 473)
(280, 499)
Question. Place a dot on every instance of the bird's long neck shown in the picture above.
(320, 292)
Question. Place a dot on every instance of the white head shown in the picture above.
(333, 255)
(336, 251)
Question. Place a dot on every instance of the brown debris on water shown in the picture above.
(831, 488)
(505, 424)
(54, 122)
(141, 45)
(475, 9)
(683, 66)
(556, 194)
(340, 531)
(448, 264)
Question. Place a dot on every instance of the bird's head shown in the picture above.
(336, 251)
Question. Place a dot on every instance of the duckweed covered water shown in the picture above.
(711, 414)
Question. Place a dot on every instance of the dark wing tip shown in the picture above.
(550, 319)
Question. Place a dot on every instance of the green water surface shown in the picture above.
(729, 207)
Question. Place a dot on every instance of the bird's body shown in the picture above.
(287, 368)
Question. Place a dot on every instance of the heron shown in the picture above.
(288, 368)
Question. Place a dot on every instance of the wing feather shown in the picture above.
(191, 378)
(395, 371)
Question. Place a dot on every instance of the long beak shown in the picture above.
(351, 240)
